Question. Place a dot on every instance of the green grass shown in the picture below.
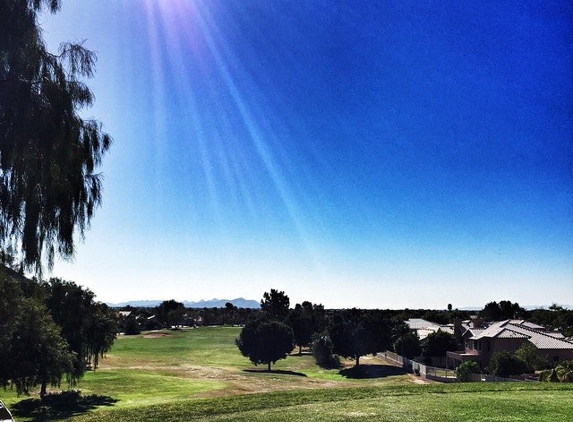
(483, 402)
(199, 375)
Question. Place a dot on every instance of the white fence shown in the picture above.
(437, 374)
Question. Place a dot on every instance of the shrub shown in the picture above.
(548, 376)
(322, 350)
(504, 364)
(564, 371)
(529, 354)
(465, 369)
(131, 327)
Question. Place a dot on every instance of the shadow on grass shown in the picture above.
(59, 406)
(371, 371)
(275, 371)
(303, 353)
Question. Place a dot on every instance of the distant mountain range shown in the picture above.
(213, 303)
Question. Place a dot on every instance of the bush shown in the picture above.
(465, 370)
(529, 354)
(322, 350)
(548, 376)
(131, 327)
(504, 364)
(564, 371)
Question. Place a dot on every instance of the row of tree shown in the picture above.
(172, 313)
(274, 332)
(50, 331)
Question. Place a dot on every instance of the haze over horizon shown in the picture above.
(398, 155)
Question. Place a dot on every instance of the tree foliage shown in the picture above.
(530, 355)
(88, 327)
(275, 304)
(505, 309)
(356, 333)
(170, 312)
(564, 371)
(305, 320)
(323, 351)
(265, 341)
(49, 187)
(556, 317)
(440, 342)
(33, 350)
(49, 331)
(466, 369)
(504, 364)
(40, 355)
(408, 345)
(131, 327)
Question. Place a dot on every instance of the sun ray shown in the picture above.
(214, 154)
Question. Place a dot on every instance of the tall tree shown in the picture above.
(305, 320)
(170, 312)
(33, 350)
(439, 343)
(505, 309)
(88, 327)
(49, 187)
(356, 333)
(40, 355)
(408, 345)
(275, 304)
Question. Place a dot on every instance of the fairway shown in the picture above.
(200, 375)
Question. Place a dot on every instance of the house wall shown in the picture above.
(555, 356)
(486, 347)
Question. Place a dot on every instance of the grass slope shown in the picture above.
(200, 375)
(483, 402)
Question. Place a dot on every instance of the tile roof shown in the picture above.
(425, 328)
(510, 334)
(508, 329)
(419, 323)
(527, 324)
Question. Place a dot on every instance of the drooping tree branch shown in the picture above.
(49, 187)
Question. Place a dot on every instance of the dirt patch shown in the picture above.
(156, 335)
(417, 380)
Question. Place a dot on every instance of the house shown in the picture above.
(424, 328)
(481, 341)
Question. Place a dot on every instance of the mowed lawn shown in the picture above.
(195, 375)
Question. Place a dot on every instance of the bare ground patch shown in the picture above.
(156, 335)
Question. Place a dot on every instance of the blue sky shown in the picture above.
(355, 154)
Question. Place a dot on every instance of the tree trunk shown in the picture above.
(357, 361)
(43, 389)
(300, 350)
(269, 367)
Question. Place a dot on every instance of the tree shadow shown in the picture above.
(275, 371)
(60, 406)
(371, 371)
(303, 353)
